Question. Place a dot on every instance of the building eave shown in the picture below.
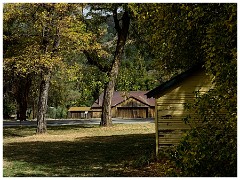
(173, 81)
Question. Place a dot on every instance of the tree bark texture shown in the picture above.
(42, 103)
(106, 118)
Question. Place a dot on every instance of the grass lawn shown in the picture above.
(81, 150)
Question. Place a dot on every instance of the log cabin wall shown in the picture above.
(170, 108)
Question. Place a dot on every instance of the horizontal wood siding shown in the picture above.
(170, 108)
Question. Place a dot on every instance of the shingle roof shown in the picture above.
(174, 80)
(118, 97)
(79, 109)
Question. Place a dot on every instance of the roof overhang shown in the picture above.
(77, 109)
(175, 80)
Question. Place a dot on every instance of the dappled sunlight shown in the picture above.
(71, 133)
(80, 152)
(87, 156)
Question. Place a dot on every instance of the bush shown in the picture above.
(61, 112)
(144, 160)
(210, 148)
(9, 108)
(57, 113)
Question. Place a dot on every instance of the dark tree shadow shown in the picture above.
(24, 131)
(88, 156)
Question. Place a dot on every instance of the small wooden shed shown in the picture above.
(132, 104)
(79, 112)
(170, 99)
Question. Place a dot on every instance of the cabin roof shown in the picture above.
(173, 81)
(120, 96)
(72, 109)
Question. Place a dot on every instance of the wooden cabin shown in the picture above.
(170, 98)
(79, 112)
(132, 104)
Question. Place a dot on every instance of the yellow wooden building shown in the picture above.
(170, 98)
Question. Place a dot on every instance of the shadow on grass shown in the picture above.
(24, 131)
(71, 127)
(88, 156)
(17, 131)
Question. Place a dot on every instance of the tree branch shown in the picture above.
(56, 41)
(141, 40)
(125, 23)
(93, 59)
(116, 21)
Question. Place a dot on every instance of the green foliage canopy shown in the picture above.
(180, 35)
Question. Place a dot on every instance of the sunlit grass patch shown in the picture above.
(20, 169)
(78, 151)
(71, 132)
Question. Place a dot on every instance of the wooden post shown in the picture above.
(156, 128)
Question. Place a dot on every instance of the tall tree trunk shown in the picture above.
(22, 107)
(23, 89)
(106, 118)
(46, 75)
(42, 103)
(33, 109)
(23, 110)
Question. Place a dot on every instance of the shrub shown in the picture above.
(210, 148)
(61, 112)
(144, 160)
(57, 113)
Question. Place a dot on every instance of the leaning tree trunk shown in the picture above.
(106, 119)
(42, 103)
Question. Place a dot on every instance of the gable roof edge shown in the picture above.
(174, 80)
